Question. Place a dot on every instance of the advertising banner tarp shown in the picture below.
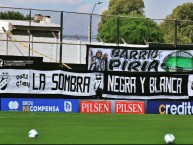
(39, 105)
(128, 107)
(93, 106)
(170, 107)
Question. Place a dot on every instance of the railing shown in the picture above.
(75, 33)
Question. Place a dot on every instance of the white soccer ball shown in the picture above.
(169, 138)
(33, 134)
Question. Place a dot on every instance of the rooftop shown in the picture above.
(33, 24)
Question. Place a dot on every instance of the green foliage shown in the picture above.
(11, 15)
(184, 15)
(117, 7)
(131, 29)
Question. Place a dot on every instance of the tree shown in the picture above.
(11, 15)
(126, 6)
(117, 7)
(182, 16)
(134, 28)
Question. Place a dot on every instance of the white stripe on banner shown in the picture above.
(49, 82)
(190, 85)
(144, 97)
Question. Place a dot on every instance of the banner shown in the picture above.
(128, 107)
(11, 61)
(50, 82)
(112, 58)
(120, 85)
(39, 105)
(146, 86)
(95, 106)
(170, 107)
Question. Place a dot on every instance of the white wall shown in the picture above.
(72, 51)
(5, 25)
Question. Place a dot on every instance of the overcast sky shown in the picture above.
(153, 8)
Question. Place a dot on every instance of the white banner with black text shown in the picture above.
(121, 85)
(49, 82)
(112, 58)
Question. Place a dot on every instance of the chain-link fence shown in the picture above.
(60, 36)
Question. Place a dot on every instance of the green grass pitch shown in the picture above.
(76, 128)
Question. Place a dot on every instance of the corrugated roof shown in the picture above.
(33, 24)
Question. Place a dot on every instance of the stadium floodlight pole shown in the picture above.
(90, 24)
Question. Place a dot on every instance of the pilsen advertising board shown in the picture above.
(93, 106)
(129, 107)
(112, 106)
(112, 58)
(121, 85)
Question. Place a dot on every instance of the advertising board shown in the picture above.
(93, 106)
(39, 105)
(127, 107)
(170, 107)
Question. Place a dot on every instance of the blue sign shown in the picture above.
(170, 107)
(39, 105)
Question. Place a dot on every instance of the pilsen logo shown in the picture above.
(4, 80)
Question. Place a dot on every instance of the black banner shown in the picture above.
(145, 85)
(9, 61)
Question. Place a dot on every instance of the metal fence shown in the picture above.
(77, 30)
